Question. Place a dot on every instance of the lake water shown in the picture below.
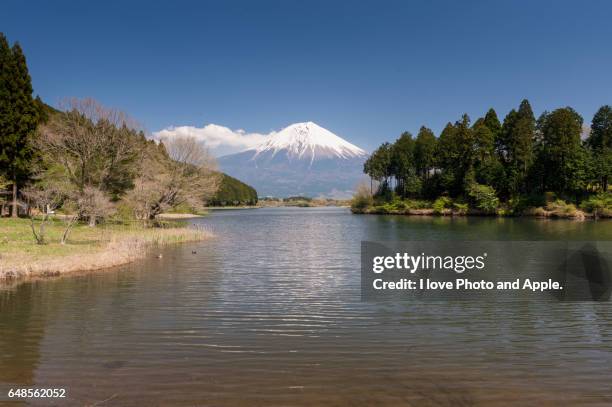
(269, 313)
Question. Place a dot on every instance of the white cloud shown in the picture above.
(220, 140)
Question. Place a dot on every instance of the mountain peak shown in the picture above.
(308, 140)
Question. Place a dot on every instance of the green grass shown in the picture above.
(16, 237)
(86, 247)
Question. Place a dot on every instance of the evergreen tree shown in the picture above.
(492, 122)
(600, 142)
(6, 70)
(18, 118)
(424, 152)
(402, 165)
(515, 147)
(523, 138)
(562, 155)
(378, 166)
(487, 168)
(455, 156)
(493, 161)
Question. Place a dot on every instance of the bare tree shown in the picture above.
(45, 199)
(94, 204)
(178, 171)
(95, 146)
(70, 220)
(89, 140)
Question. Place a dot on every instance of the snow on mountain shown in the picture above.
(309, 140)
(303, 158)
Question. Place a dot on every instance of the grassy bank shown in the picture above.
(597, 207)
(86, 249)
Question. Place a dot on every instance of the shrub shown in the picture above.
(483, 197)
(362, 198)
(398, 204)
(417, 204)
(441, 204)
(561, 209)
(599, 205)
(124, 213)
(460, 208)
(521, 204)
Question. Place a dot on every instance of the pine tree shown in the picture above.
(456, 155)
(515, 147)
(523, 138)
(600, 143)
(562, 154)
(424, 152)
(5, 69)
(402, 164)
(492, 122)
(18, 117)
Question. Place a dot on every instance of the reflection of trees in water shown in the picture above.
(22, 327)
(68, 307)
(46, 326)
(390, 227)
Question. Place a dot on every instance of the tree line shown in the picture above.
(521, 157)
(90, 160)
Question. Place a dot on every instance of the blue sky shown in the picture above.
(365, 70)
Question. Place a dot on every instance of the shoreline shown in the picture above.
(172, 216)
(537, 213)
(120, 247)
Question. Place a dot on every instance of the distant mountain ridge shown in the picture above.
(302, 159)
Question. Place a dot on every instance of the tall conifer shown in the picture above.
(18, 117)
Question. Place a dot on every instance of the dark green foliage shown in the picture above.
(456, 156)
(492, 122)
(601, 129)
(483, 197)
(600, 204)
(44, 110)
(232, 192)
(18, 113)
(424, 152)
(515, 148)
(19, 117)
(562, 157)
(403, 165)
(516, 163)
(600, 142)
(378, 165)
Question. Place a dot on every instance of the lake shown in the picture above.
(269, 312)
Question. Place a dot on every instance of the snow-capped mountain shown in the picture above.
(301, 159)
(309, 140)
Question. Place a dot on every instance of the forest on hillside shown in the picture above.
(232, 192)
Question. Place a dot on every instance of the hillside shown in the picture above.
(233, 192)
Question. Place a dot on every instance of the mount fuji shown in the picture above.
(301, 159)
